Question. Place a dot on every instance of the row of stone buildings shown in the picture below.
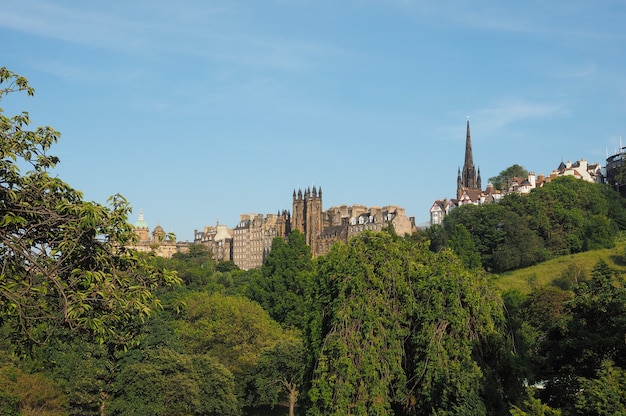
(251, 240)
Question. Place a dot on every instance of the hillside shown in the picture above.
(544, 273)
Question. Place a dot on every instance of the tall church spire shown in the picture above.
(468, 176)
(469, 159)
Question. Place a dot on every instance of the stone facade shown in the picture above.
(218, 239)
(159, 242)
(253, 236)
(322, 229)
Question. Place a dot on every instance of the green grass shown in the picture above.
(542, 274)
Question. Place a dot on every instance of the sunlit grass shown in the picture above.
(542, 274)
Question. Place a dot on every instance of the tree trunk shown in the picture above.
(293, 396)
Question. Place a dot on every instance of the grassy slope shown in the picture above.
(541, 274)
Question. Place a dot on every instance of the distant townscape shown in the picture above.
(249, 242)
(469, 190)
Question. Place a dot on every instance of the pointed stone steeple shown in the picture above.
(469, 158)
(468, 177)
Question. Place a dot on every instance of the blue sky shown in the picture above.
(198, 111)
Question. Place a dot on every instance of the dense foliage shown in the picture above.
(395, 328)
(284, 276)
(565, 216)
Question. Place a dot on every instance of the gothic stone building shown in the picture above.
(322, 229)
(469, 179)
(253, 236)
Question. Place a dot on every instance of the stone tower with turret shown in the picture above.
(469, 178)
(307, 215)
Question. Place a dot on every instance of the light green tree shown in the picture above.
(232, 329)
(64, 260)
(533, 407)
(23, 393)
(604, 395)
(169, 383)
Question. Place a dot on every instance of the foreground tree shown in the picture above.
(360, 307)
(64, 260)
(394, 329)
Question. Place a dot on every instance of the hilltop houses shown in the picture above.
(469, 190)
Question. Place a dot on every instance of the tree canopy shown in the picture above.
(393, 328)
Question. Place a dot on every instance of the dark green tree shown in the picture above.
(284, 277)
(195, 267)
(571, 215)
(500, 236)
(462, 244)
(593, 330)
(394, 328)
(226, 266)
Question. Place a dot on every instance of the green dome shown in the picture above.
(141, 223)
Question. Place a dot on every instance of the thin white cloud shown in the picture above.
(569, 20)
(96, 28)
(496, 118)
(581, 71)
(512, 111)
(219, 34)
